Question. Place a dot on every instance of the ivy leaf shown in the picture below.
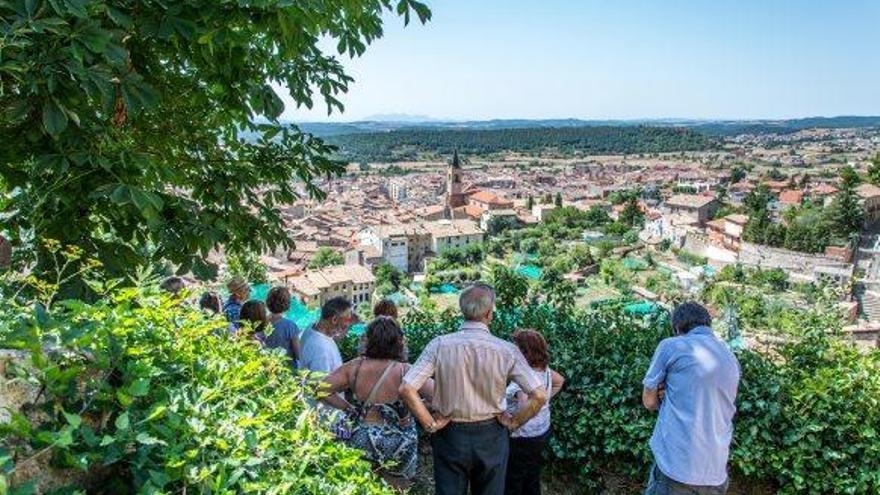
(74, 420)
(107, 440)
(145, 439)
(54, 118)
(122, 421)
(139, 387)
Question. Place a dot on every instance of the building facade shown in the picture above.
(353, 282)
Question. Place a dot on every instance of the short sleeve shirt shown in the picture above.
(232, 311)
(540, 423)
(691, 439)
(319, 352)
(283, 333)
(471, 370)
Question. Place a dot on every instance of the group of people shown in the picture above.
(485, 401)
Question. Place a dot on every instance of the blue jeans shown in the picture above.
(660, 484)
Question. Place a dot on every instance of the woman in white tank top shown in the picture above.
(528, 442)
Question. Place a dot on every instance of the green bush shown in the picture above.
(150, 397)
(808, 418)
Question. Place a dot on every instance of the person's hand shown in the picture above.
(507, 421)
(439, 423)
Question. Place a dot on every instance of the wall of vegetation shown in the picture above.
(807, 421)
(138, 394)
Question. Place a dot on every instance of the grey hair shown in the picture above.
(688, 316)
(476, 300)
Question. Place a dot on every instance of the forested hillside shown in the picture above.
(407, 144)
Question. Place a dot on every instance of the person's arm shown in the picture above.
(655, 379)
(413, 381)
(556, 383)
(427, 391)
(334, 383)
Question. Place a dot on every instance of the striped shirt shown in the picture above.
(471, 370)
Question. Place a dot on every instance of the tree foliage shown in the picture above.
(326, 256)
(123, 122)
(139, 394)
(407, 144)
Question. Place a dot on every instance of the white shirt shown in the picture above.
(319, 352)
(540, 423)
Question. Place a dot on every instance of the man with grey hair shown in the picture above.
(692, 380)
(471, 370)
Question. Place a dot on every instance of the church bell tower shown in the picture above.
(454, 196)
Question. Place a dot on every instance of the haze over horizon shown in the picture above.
(593, 60)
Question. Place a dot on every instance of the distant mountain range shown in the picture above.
(395, 122)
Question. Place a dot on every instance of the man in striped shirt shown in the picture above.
(471, 370)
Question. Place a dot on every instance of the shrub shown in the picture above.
(807, 420)
(150, 396)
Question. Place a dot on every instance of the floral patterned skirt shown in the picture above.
(392, 445)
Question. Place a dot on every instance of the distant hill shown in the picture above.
(394, 122)
(409, 143)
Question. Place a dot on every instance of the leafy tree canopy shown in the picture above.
(124, 122)
(325, 257)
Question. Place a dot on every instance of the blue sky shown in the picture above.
(483, 59)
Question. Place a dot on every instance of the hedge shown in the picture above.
(808, 416)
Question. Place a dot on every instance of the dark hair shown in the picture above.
(254, 311)
(533, 346)
(211, 301)
(172, 285)
(278, 300)
(385, 307)
(385, 340)
(688, 316)
(335, 307)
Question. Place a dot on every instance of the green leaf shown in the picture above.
(157, 412)
(65, 437)
(77, 7)
(139, 387)
(107, 440)
(54, 118)
(73, 420)
(122, 421)
(145, 439)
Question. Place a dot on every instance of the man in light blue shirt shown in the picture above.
(692, 380)
(318, 349)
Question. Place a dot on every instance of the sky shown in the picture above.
(620, 59)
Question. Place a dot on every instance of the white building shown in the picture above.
(397, 190)
(540, 211)
(406, 246)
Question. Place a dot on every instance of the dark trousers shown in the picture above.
(660, 484)
(470, 455)
(524, 465)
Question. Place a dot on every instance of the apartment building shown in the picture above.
(353, 282)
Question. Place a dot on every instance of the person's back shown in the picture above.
(472, 370)
(319, 351)
(283, 335)
(383, 427)
(699, 375)
(701, 386)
